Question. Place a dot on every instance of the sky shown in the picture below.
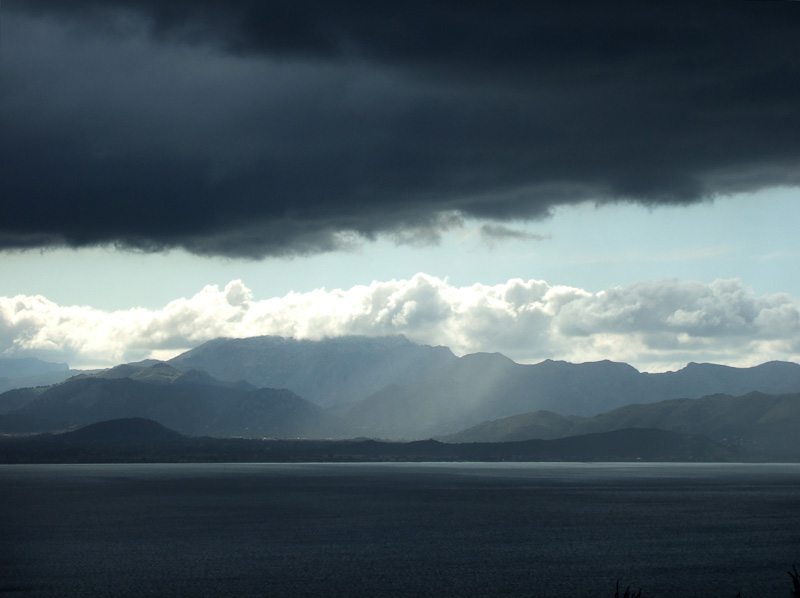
(576, 181)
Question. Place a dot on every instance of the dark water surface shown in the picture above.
(398, 530)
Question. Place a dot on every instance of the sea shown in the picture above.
(390, 530)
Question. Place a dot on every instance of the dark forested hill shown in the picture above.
(135, 431)
(141, 440)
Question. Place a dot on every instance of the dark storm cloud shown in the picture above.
(254, 128)
(493, 233)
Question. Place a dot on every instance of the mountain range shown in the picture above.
(483, 386)
(762, 425)
(192, 403)
(332, 372)
(255, 388)
(390, 387)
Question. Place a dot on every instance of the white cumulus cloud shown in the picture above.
(654, 325)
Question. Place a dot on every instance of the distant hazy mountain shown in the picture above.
(28, 366)
(191, 403)
(329, 372)
(481, 387)
(758, 423)
(29, 371)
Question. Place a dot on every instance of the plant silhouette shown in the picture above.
(628, 593)
(795, 580)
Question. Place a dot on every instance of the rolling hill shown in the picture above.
(761, 425)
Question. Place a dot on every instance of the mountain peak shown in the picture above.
(329, 371)
(487, 357)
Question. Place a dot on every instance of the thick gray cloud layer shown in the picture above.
(247, 128)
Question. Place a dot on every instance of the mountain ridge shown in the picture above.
(760, 423)
(190, 408)
(480, 387)
(330, 372)
(446, 396)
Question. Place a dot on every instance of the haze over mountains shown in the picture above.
(397, 389)
(392, 388)
(479, 387)
(329, 372)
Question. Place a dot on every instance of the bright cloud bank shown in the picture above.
(653, 325)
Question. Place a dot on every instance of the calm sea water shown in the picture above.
(398, 530)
